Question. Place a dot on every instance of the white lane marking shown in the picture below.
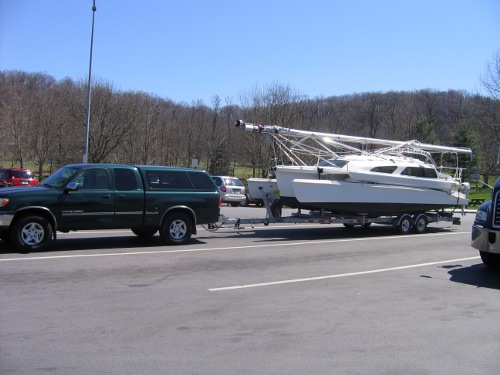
(229, 229)
(257, 285)
(301, 243)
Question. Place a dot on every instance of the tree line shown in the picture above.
(43, 121)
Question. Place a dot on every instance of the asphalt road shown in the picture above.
(281, 299)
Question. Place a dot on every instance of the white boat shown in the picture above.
(381, 177)
(374, 199)
(369, 171)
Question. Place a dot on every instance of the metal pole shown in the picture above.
(87, 126)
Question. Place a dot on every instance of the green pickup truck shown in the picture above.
(144, 198)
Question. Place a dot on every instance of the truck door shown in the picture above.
(91, 206)
(129, 198)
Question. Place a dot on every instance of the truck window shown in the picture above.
(201, 181)
(168, 180)
(93, 179)
(125, 179)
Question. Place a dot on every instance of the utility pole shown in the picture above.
(87, 126)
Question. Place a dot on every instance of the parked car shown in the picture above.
(17, 177)
(231, 190)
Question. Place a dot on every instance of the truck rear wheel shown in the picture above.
(490, 259)
(176, 229)
(31, 233)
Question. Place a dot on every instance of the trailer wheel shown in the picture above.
(421, 222)
(349, 226)
(490, 259)
(405, 224)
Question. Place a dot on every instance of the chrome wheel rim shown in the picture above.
(178, 229)
(32, 234)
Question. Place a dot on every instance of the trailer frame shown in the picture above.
(405, 223)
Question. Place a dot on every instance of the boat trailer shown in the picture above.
(405, 223)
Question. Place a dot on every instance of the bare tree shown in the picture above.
(491, 79)
(485, 112)
(371, 109)
(276, 105)
(46, 126)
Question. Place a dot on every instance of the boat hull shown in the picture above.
(286, 174)
(259, 187)
(390, 179)
(372, 199)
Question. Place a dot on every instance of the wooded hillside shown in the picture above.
(43, 119)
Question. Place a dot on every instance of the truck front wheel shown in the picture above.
(490, 259)
(176, 229)
(31, 233)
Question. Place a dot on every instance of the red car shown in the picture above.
(17, 177)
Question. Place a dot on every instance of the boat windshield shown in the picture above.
(333, 163)
(419, 172)
(384, 169)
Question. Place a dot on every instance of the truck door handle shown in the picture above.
(106, 196)
(121, 196)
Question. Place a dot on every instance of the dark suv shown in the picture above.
(17, 177)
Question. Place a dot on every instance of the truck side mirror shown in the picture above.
(71, 186)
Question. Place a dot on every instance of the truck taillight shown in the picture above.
(220, 201)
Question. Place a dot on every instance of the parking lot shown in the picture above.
(277, 299)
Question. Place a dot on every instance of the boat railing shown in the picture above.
(300, 147)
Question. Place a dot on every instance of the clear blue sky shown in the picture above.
(187, 50)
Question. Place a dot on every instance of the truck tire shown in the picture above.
(176, 229)
(144, 233)
(490, 259)
(31, 233)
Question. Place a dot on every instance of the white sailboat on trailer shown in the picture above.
(360, 175)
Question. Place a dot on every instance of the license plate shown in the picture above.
(236, 191)
(24, 182)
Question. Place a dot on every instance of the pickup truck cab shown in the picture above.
(146, 199)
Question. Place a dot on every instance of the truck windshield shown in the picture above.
(60, 177)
